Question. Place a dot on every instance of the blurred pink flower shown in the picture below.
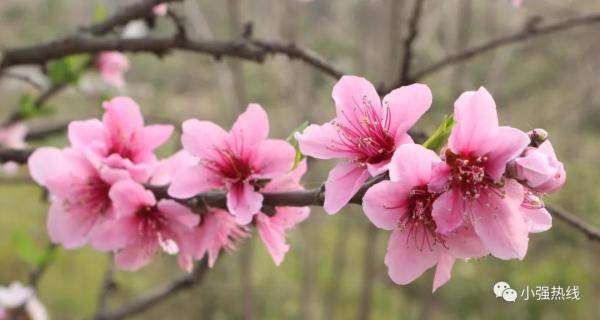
(475, 189)
(112, 65)
(16, 296)
(78, 191)
(272, 230)
(404, 205)
(160, 9)
(218, 230)
(540, 170)
(235, 160)
(120, 143)
(365, 133)
(12, 137)
(517, 3)
(142, 225)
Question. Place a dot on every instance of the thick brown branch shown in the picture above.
(159, 46)
(14, 155)
(529, 31)
(152, 298)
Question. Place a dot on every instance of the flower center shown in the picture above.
(152, 220)
(468, 174)
(364, 133)
(92, 196)
(418, 221)
(122, 144)
(229, 165)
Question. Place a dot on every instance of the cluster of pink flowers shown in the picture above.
(481, 194)
(462, 203)
(99, 186)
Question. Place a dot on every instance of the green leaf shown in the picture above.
(292, 140)
(25, 247)
(441, 134)
(27, 108)
(100, 12)
(68, 69)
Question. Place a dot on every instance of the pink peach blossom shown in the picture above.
(540, 170)
(365, 133)
(12, 137)
(217, 231)
(142, 225)
(120, 142)
(234, 160)
(476, 192)
(404, 205)
(272, 229)
(517, 3)
(79, 194)
(112, 66)
(166, 169)
(160, 9)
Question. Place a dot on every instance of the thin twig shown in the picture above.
(23, 78)
(135, 11)
(36, 274)
(293, 51)
(408, 44)
(108, 286)
(590, 231)
(161, 294)
(528, 31)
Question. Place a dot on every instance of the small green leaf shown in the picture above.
(292, 140)
(27, 108)
(100, 12)
(68, 69)
(25, 247)
(441, 134)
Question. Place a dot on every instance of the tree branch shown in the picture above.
(408, 44)
(590, 231)
(108, 286)
(528, 31)
(293, 51)
(15, 155)
(301, 198)
(152, 298)
(135, 11)
(122, 17)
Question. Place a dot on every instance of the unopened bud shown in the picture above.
(537, 137)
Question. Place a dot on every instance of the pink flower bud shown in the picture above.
(540, 170)
(112, 65)
(160, 9)
(537, 137)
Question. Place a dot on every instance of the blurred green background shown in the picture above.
(335, 267)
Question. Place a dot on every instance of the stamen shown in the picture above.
(363, 133)
(419, 221)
